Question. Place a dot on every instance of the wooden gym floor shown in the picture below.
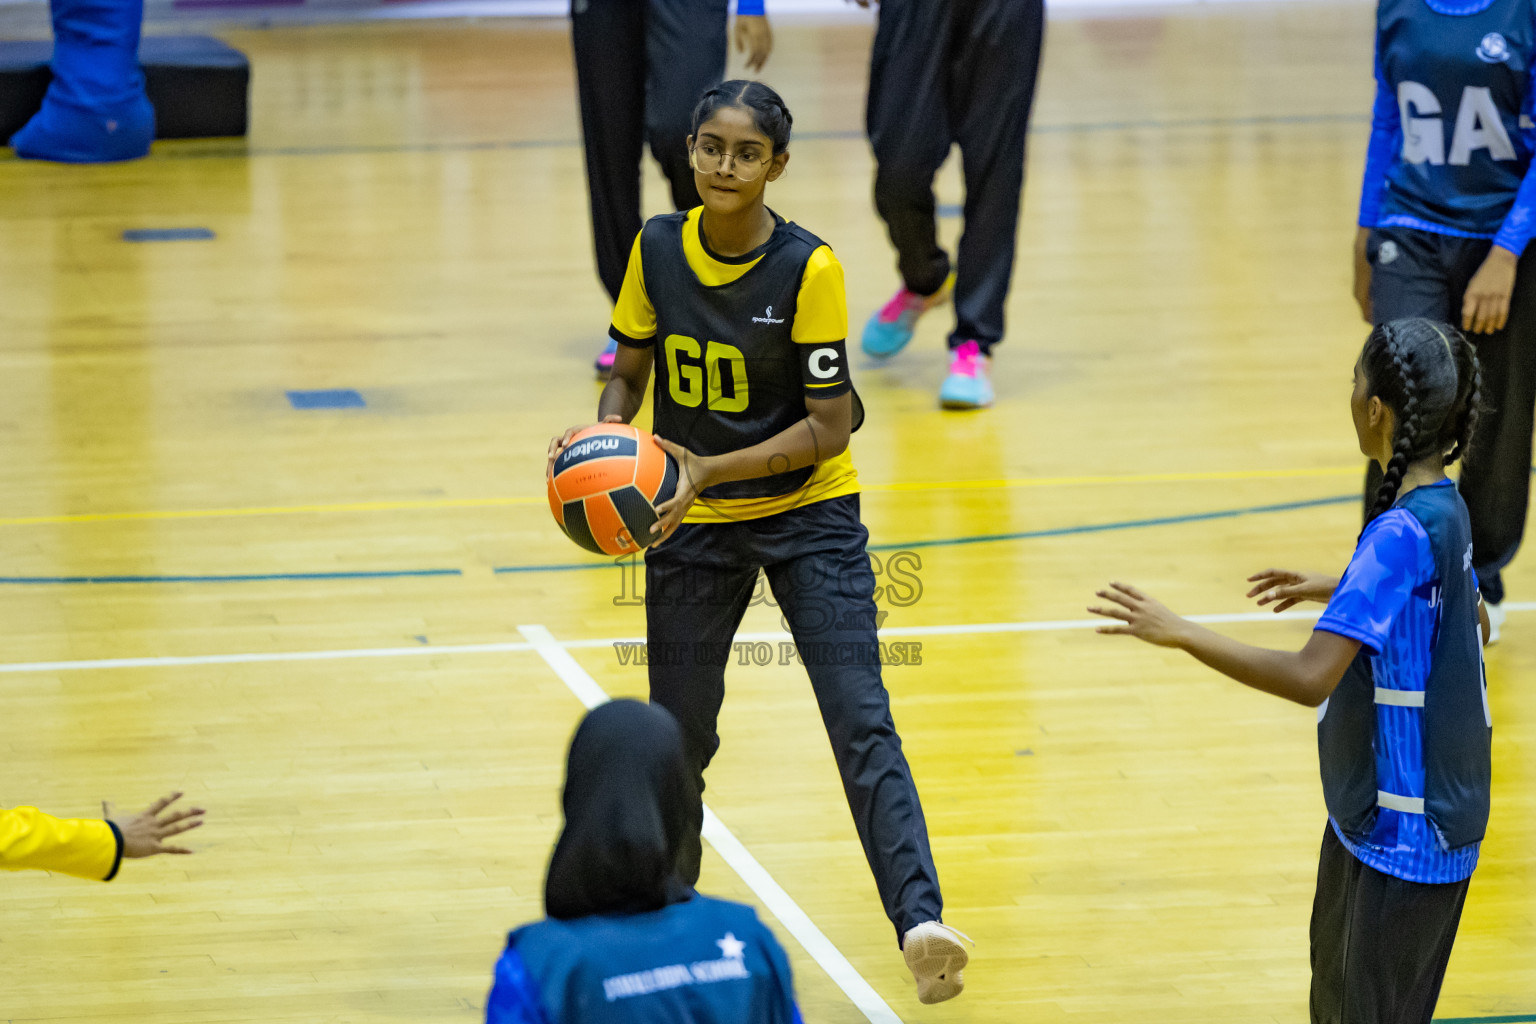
(1128, 837)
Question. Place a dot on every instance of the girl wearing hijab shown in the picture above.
(626, 940)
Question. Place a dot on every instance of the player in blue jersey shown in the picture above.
(627, 940)
(1446, 211)
(1394, 667)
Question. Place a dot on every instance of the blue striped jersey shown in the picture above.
(1390, 601)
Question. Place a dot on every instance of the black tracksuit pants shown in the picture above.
(946, 72)
(1380, 945)
(1427, 275)
(698, 586)
(641, 66)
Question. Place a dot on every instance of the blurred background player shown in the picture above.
(626, 939)
(87, 847)
(96, 109)
(763, 405)
(946, 72)
(640, 66)
(1446, 211)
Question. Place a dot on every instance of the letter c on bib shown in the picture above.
(823, 363)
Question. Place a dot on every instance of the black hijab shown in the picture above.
(627, 798)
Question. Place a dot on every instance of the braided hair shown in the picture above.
(769, 113)
(1428, 375)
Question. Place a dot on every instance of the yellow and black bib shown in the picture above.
(728, 372)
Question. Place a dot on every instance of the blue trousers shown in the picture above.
(95, 110)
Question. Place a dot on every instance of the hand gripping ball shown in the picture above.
(605, 485)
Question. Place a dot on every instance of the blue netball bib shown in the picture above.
(1462, 79)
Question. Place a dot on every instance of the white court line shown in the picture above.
(243, 659)
(962, 629)
(778, 902)
(974, 628)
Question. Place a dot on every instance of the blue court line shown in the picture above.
(1127, 524)
(1060, 531)
(386, 574)
(166, 234)
(841, 135)
(990, 538)
(1519, 1018)
(327, 398)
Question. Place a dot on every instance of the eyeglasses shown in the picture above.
(708, 158)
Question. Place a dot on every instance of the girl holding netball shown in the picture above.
(743, 317)
(1395, 668)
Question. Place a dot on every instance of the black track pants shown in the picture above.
(1379, 944)
(946, 72)
(641, 65)
(699, 585)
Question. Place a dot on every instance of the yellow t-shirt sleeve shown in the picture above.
(821, 313)
(81, 847)
(634, 318)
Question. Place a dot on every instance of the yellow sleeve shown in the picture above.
(634, 318)
(821, 314)
(80, 847)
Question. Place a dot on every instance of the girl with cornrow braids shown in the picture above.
(1394, 667)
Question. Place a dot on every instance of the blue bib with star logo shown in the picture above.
(1461, 75)
(706, 961)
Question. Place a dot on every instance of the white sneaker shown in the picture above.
(1496, 614)
(936, 959)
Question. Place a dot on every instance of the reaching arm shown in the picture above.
(75, 846)
(1306, 676)
(823, 434)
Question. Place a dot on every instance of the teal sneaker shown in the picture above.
(890, 328)
(604, 362)
(969, 384)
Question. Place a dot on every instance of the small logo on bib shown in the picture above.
(1493, 49)
(766, 318)
(1388, 253)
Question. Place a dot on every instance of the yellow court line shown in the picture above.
(272, 510)
(448, 503)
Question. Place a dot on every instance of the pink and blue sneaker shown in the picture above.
(604, 362)
(969, 384)
(891, 327)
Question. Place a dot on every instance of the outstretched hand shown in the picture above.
(144, 834)
(1140, 616)
(1285, 588)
